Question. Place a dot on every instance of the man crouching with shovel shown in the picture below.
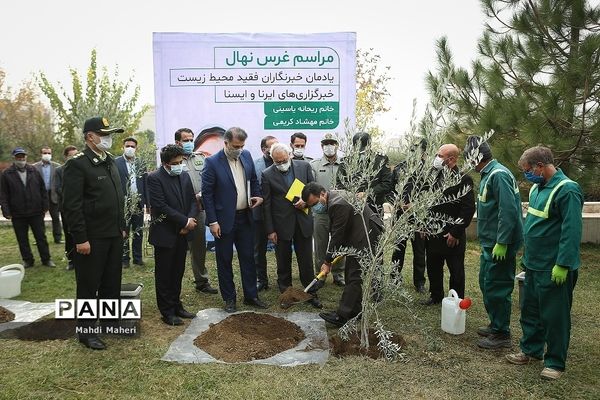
(346, 230)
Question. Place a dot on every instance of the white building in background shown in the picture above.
(148, 121)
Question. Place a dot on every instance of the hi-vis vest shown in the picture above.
(482, 197)
(544, 213)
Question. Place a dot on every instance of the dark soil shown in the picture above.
(45, 329)
(341, 348)
(6, 315)
(292, 296)
(249, 336)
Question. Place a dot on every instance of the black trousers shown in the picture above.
(260, 251)
(419, 265)
(98, 274)
(21, 227)
(168, 273)
(435, 273)
(134, 232)
(69, 244)
(283, 254)
(55, 215)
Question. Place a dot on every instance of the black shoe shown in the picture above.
(28, 264)
(262, 285)
(183, 313)
(256, 302)
(333, 318)
(70, 266)
(484, 331)
(495, 341)
(339, 281)
(141, 263)
(315, 302)
(429, 302)
(92, 342)
(172, 320)
(49, 264)
(421, 289)
(230, 306)
(206, 288)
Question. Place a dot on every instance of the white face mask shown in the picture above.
(129, 152)
(329, 150)
(105, 143)
(233, 153)
(438, 162)
(299, 152)
(20, 163)
(46, 157)
(284, 167)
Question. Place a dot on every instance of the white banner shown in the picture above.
(266, 83)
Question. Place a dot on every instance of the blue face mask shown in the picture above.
(188, 147)
(176, 170)
(319, 208)
(531, 177)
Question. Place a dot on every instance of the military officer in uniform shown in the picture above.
(193, 163)
(552, 232)
(93, 207)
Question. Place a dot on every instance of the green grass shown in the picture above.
(131, 368)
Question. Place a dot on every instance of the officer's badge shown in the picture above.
(105, 122)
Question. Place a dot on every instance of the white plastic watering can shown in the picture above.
(10, 280)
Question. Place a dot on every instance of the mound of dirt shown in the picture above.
(45, 329)
(6, 315)
(249, 336)
(292, 296)
(342, 348)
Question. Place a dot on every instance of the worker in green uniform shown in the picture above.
(552, 232)
(500, 233)
(93, 205)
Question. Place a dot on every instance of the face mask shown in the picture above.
(531, 177)
(129, 152)
(438, 162)
(329, 150)
(46, 157)
(176, 170)
(105, 143)
(284, 167)
(299, 152)
(20, 163)
(233, 153)
(319, 208)
(188, 147)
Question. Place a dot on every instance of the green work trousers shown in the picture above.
(496, 281)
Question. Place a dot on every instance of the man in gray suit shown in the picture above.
(287, 222)
(347, 230)
(47, 168)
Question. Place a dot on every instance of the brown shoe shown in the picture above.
(551, 374)
(520, 358)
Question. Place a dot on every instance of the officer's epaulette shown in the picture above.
(78, 155)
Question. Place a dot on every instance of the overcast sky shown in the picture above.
(53, 36)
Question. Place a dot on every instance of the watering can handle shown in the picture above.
(13, 266)
(452, 293)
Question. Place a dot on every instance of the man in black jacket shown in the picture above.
(24, 200)
(93, 208)
(68, 153)
(449, 246)
(174, 211)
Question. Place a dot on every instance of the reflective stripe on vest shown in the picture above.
(483, 197)
(544, 214)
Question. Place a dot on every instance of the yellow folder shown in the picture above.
(296, 191)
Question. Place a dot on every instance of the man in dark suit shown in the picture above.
(47, 169)
(287, 222)
(230, 191)
(93, 208)
(133, 183)
(24, 200)
(174, 211)
(347, 230)
(449, 246)
(68, 153)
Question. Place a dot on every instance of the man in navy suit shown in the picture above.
(134, 187)
(287, 222)
(230, 189)
(174, 208)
